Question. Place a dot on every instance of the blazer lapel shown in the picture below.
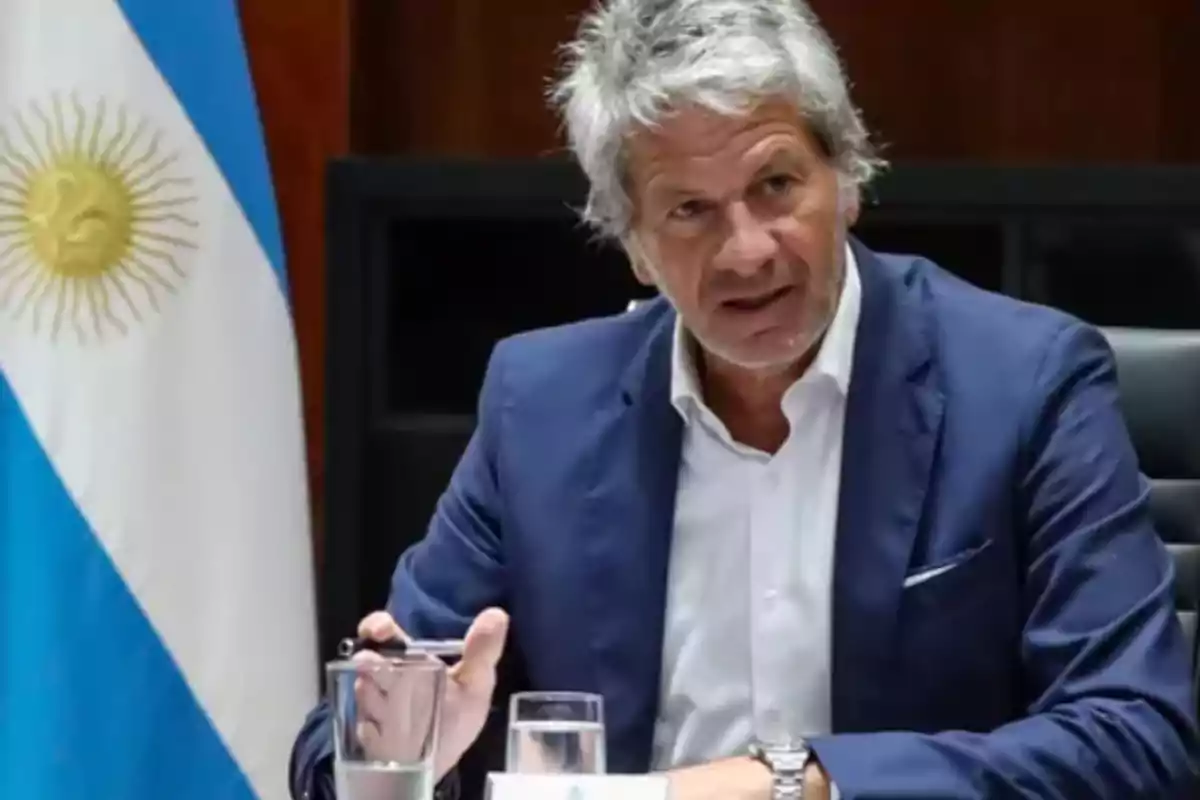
(631, 513)
(893, 420)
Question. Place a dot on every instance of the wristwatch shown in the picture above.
(787, 768)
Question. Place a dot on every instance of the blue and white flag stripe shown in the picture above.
(92, 703)
(156, 610)
(198, 48)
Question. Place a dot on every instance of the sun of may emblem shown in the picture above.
(94, 220)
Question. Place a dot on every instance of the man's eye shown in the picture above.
(689, 209)
(777, 184)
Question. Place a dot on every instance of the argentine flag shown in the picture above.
(156, 611)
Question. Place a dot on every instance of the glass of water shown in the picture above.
(556, 733)
(385, 726)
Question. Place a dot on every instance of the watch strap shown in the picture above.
(787, 769)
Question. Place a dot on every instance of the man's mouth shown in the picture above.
(757, 302)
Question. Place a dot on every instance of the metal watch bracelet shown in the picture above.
(787, 770)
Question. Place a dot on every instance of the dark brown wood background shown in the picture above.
(300, 60)
(999, 81)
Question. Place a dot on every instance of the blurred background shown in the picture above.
(1045, 148)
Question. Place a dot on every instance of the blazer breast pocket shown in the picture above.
(951, 571)
(957, 609)
(959, 627)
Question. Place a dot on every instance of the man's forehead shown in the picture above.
(697, 142)
(697, 131)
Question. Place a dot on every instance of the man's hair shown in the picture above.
(634, 61)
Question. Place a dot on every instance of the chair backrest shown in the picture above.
(1159, 375)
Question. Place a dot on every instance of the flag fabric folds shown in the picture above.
(156, 610)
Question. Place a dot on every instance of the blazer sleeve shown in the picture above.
(1103, 655)
(440, 584)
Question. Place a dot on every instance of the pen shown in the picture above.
(398, 648)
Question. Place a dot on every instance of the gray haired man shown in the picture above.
(818, 520)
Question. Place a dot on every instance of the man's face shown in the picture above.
(741, 222)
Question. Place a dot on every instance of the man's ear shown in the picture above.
(850, 200)
(638, 262)
(641, 272)
(853, 206)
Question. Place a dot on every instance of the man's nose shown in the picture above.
(749, 242)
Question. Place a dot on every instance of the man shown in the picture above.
(813, 492)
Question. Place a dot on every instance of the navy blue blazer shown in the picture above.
(980, 431)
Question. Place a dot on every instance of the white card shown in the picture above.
(514, 786)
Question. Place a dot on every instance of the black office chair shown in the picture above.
(1159, 375)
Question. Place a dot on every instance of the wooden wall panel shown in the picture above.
(989, 80)
(299, 56)
(1012, 80)
(457, 76)
(1181, 80)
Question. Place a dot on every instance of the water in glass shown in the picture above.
(376, 781)
(556, 746)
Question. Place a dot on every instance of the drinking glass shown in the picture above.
(385, 726)
(556, 733)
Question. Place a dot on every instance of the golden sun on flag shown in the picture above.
(93, 221)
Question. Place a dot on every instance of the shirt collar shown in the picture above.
(834, 360)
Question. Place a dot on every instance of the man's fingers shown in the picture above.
(372, 698)
(370, 737)
(369, 675)
(483, 647)
(380, 627)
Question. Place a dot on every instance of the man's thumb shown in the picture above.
(483, 646)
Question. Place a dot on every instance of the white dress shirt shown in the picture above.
(747, 639)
